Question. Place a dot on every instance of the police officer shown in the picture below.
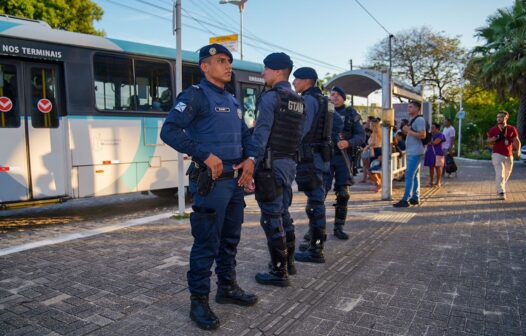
(277, 135)
(206, 123)
(347, 132)
(315, 155)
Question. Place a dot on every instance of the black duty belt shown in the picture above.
(230, 175)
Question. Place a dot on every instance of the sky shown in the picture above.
(323, 34)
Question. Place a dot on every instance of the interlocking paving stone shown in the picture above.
(452, 266)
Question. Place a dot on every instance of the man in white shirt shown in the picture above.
(447, 146)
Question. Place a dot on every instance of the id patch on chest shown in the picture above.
(222, 109)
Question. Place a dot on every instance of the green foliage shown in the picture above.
(71, 15)
(481, 107)
(422, 57)
(500, 64)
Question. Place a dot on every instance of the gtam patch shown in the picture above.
(222, 109)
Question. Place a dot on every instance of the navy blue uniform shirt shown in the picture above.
(190, 107)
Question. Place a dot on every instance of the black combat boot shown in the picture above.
(339, 222)
(314, 253)
(230, 292)
(291, 248)
(201, 313)
(278, 275)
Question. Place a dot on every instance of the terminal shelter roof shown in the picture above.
(363, 82)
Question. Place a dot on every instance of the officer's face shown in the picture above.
(217, 69)
(270, 76)
(300, 85)
(336, 99)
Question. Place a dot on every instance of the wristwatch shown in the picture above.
(252, 158)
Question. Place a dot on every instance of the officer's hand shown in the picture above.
(251, 187)
(215, 164)
(248, 171)
(342, 144)
(406, 129)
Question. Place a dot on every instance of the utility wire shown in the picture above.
(304, 58)
(371, 15)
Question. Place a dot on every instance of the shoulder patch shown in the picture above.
(180, 107)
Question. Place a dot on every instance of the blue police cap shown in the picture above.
(278, 61)
(306, 73)
(213, 49)
(340, 91)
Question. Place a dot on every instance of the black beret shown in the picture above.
(213, 49)
(340, 91)
(306, 73)
(278, 61)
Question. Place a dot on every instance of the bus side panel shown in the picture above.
(48, 161)
(132, 144)
(13, 162)
(103, 180)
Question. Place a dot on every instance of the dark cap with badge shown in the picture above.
(213, 49)
(278, 61)
(339, 91)
(306, 73)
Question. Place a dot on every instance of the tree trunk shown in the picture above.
(521, 118)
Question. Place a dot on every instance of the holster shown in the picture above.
(306, 153)
(306, 177)
(326, 151)
(204, 181)
(267, 189)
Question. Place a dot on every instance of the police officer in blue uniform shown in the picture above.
(206, 123)
(277, 135)
(347, 132)
(315, 156)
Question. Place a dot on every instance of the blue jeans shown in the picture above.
(412, 178)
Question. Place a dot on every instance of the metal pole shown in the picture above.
(387, 91)
(178, 89)
(352, 97)
(460, 119)
(241, 29)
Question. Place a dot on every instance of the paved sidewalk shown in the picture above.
(455, 265)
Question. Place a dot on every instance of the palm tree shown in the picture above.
(500, 63)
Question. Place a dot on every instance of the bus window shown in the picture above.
(191, 75)
(44, 104)
(114, 83)
(249, 95)
(152, 80)
(9, 115)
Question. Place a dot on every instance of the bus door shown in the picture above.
(33, 153)
(249, 95)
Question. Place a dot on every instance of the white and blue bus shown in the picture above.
(80, 115)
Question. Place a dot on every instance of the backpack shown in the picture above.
(427, 139)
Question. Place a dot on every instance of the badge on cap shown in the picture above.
(212, 51)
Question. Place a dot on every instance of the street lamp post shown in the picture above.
(241, 5)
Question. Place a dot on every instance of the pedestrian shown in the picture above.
(414, 149)
(434, 157)
(277, 135)
(206, 123)
(315, 156)
(504, 139)
(347, 133)
(447, 146)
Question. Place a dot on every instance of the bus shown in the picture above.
(80, 115)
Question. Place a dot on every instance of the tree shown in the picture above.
(421, 56)
(71, 15)
(500, 63)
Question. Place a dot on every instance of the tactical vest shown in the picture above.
(322, 125)
(287, 128)
(219, 130)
